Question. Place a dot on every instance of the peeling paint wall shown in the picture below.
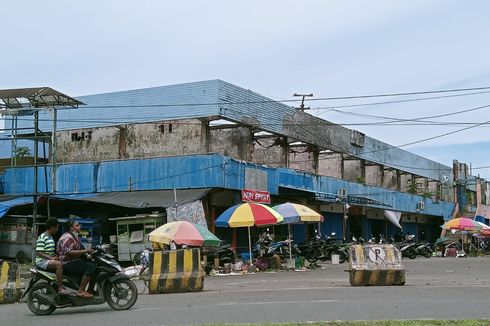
(353, 171)
(233, 142)
(267, 151)
(132, 141)
(390, 179)
(374, 175)
(330, 165)
(300, 158)
(82, 145)
(164, 139)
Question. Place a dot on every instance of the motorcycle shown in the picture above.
(313, 249)
(424, 249)
(112, 286)
(409, 250)
(224, 253)
(335, 246)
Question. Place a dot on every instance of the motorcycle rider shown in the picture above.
(70, 250)
(45, 255)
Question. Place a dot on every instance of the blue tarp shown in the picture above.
(8, 204)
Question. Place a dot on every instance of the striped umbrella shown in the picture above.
(462, 224)
(296, 213)
(248, 215)
(184, 233)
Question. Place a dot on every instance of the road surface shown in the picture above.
(436, 288)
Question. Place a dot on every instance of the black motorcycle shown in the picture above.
(409, 250)
(112, 286)
(313, 249)
(223, 253)
(424, 249)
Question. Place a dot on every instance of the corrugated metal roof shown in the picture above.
(189, 100)
(214, 98)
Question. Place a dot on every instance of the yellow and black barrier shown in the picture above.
(175, 271)
(9, 282)
(376, 264)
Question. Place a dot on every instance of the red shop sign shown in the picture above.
(255, 196)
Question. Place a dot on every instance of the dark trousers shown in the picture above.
(79, 267)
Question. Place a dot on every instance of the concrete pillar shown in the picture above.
(205, 135)
(122, 142)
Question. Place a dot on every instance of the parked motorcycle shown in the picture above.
(424, 249)
(224, 253)
(409, 250)
(312, 249)
(112, 286)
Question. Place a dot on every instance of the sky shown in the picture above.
(276, 48)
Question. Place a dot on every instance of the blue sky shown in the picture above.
(329, 48)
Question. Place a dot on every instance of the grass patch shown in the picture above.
(468, 322)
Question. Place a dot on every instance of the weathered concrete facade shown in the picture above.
(131, 141)
(196, 136)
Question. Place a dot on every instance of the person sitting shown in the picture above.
(70, 250)
(45, 256)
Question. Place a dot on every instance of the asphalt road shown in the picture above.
(436, 288)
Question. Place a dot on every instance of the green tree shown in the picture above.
(22, 152)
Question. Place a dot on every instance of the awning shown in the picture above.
(8, 204)
(334, 198)
(140, 199)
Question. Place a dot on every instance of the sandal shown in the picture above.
(84, 295)
(63, 291)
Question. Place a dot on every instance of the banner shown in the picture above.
(192, 212)
(255, 196)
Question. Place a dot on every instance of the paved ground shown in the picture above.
(440, 288)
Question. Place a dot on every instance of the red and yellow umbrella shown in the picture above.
(462, 224)
(248, 215)
(184, 233)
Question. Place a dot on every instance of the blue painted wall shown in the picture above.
(201, 171)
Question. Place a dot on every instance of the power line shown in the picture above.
(391, 119)
(443, 135)
(397, 101)
(420, 119)
(225, 102)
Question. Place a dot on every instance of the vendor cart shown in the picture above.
(132, 234)
(16, 237)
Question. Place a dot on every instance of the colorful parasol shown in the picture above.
(484, 229)
(296, 213)
(248, 215)
(184, 233)
(462, 224)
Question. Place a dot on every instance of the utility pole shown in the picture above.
(302, 106)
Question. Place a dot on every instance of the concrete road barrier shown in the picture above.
(9, 282)
(175, 271)
(376, 264)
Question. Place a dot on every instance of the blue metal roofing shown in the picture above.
(189, 100)
(8, 204)
(217, 98)
(204, 171)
